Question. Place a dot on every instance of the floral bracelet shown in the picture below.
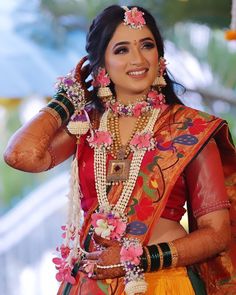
(130, 254)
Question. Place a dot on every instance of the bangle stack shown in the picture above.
(69, 104)
(60, 107)
(156, 257)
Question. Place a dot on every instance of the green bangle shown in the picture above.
(167, 257)
(60, 96)
(155, 257)
(59, 109)
(143, 261)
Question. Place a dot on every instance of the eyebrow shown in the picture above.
(127, 42)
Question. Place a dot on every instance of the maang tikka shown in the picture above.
(133, 18)
(102, 80)
(160, 80)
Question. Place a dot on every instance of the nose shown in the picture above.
(137, 57)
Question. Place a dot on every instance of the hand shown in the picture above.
(109, 256)
(81, 74)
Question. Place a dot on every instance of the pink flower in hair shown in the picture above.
(134, 18)
(101, 79)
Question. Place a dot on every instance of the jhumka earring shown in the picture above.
(102, 80)
(160, 80)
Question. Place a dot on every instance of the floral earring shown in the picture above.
(102, 80)
(160, 80)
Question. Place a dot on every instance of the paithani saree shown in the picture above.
(181, 133)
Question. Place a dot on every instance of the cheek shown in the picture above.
(154, 59)
(114, 67)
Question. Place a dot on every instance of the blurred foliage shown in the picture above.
(214, 13)
(211, 49)
(61, 16)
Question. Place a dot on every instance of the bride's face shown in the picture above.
(131, 60)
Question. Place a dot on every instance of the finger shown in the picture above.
(85, 72)
(85, 69)
(79, 66)
(104, 242)
(88, 84)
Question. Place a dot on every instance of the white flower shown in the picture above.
(103, 229)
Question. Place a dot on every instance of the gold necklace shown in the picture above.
(118, 169)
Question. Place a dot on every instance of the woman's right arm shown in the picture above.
(39, 145)
(43, 142)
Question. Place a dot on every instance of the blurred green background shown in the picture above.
(194, 29)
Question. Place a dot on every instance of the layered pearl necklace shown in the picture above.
(100, 169)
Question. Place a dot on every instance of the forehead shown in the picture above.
(127, 34)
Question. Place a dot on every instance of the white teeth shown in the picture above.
(136, 73)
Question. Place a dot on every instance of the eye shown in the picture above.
(121, 50)
(148, 45)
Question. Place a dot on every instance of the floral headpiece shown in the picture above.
(133, 18)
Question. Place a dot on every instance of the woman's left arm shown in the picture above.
(209, 204)
(212, 237)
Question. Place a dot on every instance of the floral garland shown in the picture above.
(153, 100)
(110, 221)
(109, 225)
(130, 254)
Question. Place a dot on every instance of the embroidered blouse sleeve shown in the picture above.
(205, 181)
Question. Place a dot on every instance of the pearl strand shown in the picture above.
(134, 169)
(100, 169)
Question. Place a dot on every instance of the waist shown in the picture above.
(166, 230)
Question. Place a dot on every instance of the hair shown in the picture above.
(100, 33)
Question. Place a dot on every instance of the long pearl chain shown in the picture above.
(100, 169)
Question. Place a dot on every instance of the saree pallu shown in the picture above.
(180, 133)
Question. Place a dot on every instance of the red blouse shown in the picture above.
(202, 183)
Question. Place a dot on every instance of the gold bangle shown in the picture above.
(174, 254)
(53, 113)
(63, 106)
(161, 256)
(148, 259)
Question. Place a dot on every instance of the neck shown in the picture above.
(127, 99)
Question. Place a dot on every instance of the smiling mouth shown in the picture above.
(139, 73)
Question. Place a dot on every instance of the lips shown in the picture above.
(137, 73)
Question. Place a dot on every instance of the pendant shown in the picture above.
(118, 170)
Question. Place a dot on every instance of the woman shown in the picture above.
(139, 155)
